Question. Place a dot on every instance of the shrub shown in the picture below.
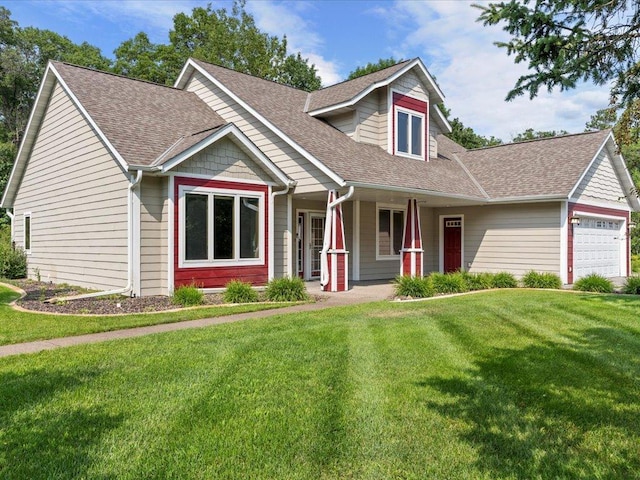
(13, 262)
(414, 287)
(237, 291)
(635, 263)
(594, 283)
(187, 296)
(632, 286)
(449, 282)
(478, 281)
(541, 280)
(286, 290)
(504, 280)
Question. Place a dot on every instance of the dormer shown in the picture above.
(394, 108)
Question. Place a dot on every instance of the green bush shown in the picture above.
(449, 282)
(632, 286)
(237, 291)
(635, 263)
(594, 283)
(504, 280)
(13, 262)
(541, 280)
(187, 296)
(286, 290)
(479, 281)
(414, 287)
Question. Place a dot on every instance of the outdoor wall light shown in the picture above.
(575, 220)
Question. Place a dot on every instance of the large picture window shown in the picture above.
(219, 227)
(390, 231)
(409, 133)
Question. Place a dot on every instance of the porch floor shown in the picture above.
(359, 292)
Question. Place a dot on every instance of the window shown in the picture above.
(219, 227)
(409, 133)
(27, 232)
(390, 231)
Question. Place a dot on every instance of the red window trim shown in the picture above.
(415, 105)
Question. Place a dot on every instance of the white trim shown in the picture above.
(135, 242)
(356, 241)
(564, 242)
(424, 144)
(26, 215)
(391, 208)
(170, 237)
(306, 241)
(219, 178)
(289, 237)
(441, 240)
(211, 262)
(270, 234)
(317, 163)
(586, 170)
(602, 204)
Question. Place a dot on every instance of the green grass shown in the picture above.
(17, 327)
(502, 384)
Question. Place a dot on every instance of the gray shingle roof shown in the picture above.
(141, 119)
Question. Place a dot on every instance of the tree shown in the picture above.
(139, 58)
(373, 67)
(466, 136)
(530, 134)
(568, 41)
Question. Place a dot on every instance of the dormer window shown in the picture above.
(410, 126)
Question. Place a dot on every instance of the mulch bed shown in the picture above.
(38, 292)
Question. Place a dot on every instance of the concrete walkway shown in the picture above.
(360, 293)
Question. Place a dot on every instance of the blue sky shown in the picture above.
(339, 35)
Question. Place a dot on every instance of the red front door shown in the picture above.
(452, 244)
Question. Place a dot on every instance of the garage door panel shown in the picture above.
(596, 247)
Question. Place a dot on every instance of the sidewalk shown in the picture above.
(360, 293)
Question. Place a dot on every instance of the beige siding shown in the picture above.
(77, 195)
(514, 238)
(409, 84)
(434, 131)
(368, 115)
(224, 159)
(601, 183)
(153, 235)
(429, 239)
(297, 167)
(280, 242)
(383, 121)
(370, 268)
(345, 122)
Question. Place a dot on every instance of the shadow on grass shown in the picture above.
(552, 410)
(38, 440)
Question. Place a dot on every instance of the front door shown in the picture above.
(316, 240)
(452, 244)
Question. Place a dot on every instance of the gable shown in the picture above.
(224, 159)
(600, 183)
(410, 85)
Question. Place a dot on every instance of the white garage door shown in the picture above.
(596, 247)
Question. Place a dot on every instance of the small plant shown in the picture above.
(594, 283)
(632, 286)
(414, 287)
(479, 281)
(504, 280)
(286, 290)
(237, 291)
(534, 279)
(36, 272)
(187, 296)
(449, 282)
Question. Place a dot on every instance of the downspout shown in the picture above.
(134, 183)
(285, 191)
(326, 244)
(11, 217)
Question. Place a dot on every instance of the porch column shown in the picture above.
(411, 254)
(334, 258)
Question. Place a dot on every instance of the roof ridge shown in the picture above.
(363, 76)
(117, 75)
(543, 139)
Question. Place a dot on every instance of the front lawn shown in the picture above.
(503, 384)
(17, 327)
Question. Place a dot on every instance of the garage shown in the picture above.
(597, 246)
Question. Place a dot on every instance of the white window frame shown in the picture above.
(411, 113)
(24, 231)
(211, 262)
(391, 208)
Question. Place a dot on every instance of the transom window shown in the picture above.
(390, 231)
(221, 227)
(409, 133)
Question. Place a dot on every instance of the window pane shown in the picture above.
(27, 233)
(416, 135)
(384, 232)
(223, 227)
(196, 219)
(398, 227)
(249, 228)
(403, 132)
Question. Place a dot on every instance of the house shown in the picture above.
(131, 187)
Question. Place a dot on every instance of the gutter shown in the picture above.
(326, 244)
(130, 246)
(290, 184)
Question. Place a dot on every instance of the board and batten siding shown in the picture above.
(514, 238)
(153, 235)
(600, 183)
(77, 196)
(293, 164)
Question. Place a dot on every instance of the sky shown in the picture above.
(339, 35)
